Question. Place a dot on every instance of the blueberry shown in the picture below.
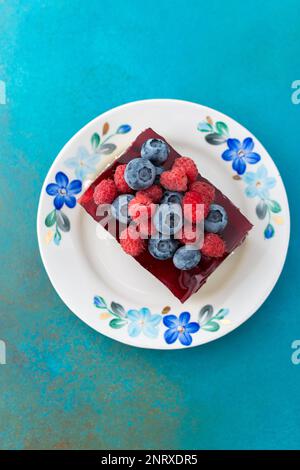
(171, 197)
(155, 150)
(159, 171)
(139, 173)
(119, 208)
(186, 258)
(216, 220)
(168, 219)
(162, 248)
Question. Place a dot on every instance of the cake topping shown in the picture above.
(155, 150)
(216, 219)
(131, 242)
(119, 208)
(168, 219)
(206, 190)
(174, 180)
(139, 173)
(213, 246)
(119, 180)
(155, 192)
(194, 206)
(186, 258)
(141, 207)
(162, 248)
(189, 167)
(105, 192)
(171, 197)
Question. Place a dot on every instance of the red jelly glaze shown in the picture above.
(182, 283)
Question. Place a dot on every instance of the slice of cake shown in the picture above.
(149, 187)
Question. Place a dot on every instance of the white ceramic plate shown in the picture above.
(108, 289)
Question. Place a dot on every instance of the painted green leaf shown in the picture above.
(95, 140)
(222, 128)
(63, 221)
(118, 309)
(261, 210)
(222, 314)
(215, 139)
(204, 127)
(117, 323)
(57, 237)
(205, 314)
(99, 302)
(106, 149)
(51, 218)
(269, 231)
(274, 206)
(211, 326)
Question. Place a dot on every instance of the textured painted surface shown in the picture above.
(64, 385)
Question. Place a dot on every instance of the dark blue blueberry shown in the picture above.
(139, 173)
(119, 208)
(162, 248)
(159, 171)
(155, 150)
(168, 219)
(171, 197)
(216, 220)
(186, 258)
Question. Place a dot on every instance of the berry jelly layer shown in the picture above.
(181, 283)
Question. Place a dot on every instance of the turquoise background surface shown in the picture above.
(65, 386)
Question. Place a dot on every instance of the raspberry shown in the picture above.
(154, 192)
(174, 180)
(131, 242)
(213, 246)
(105, 192)
(195, 208)
(119, 179)
(189, 167)
(206, 190)
(141, 206)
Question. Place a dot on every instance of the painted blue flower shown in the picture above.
(83, 163)
(142, 321)
(63, 191)
(180, 328)
(259, 183)
(240, 153)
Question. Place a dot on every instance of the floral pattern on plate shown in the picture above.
(259, 183)
(83, 163)
(63, 193)
(143, 322)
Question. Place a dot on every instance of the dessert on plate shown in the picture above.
(174, 222)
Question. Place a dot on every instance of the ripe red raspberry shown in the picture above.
(189, 167)
(131, 241)
(195, 208)
(213, 246)
(155, 192)
(119, 180)
(105, 192)
(190, 234)
(141, 207)
(206, 190)
(174, 180)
